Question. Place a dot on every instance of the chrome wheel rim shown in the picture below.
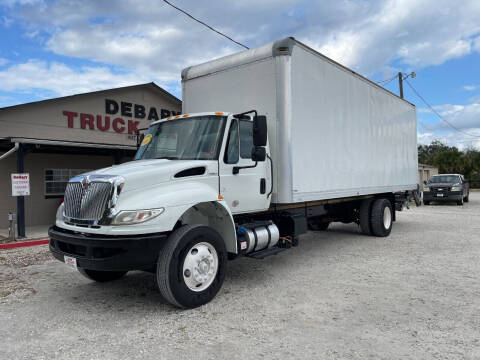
(200, 266)
(387, 217)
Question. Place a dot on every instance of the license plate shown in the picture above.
(71, 262)
(439, 195)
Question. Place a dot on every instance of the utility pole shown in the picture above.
(400, 84)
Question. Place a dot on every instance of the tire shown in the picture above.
(184, 247)
(316, 224)
(101, 276)
(364, 217)
(460, 202)
(381, 218)
(466, 199)
(426, 202)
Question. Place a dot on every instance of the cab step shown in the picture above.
(266, 252)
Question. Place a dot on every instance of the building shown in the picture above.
(425, 172)
(54, 140)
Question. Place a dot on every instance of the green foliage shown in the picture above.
(449, 159)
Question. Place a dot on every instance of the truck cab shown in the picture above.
(191, 169)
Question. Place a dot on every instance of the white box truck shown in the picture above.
(272, 141)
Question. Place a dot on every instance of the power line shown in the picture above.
(436, 112)
(387, 81)
(201, 22)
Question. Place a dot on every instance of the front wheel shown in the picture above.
(192, 266)
(101, 276)
(465, 199)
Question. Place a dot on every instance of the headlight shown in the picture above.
(128, 217)
(426, 189)
(456, 188)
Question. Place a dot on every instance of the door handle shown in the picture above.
(263, 186)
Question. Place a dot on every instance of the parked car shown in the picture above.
(446, 187)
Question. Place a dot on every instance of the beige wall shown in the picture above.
(425, 173)
(46, 120)
(38, 210)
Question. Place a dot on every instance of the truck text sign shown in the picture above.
(119, 117)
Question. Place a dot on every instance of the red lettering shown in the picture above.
(132, 126)
(87, 119)
(103, 126)
(118, 128)
(70, 116)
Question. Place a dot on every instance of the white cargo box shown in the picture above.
(332, 133)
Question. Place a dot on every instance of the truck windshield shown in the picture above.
(196, 138)
(444, 179)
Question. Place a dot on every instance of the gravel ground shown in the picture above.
(339, 295)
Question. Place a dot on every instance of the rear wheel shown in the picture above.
(364, 216)
(101, 276)
(426, 202)
(192, 265)
(382, 217)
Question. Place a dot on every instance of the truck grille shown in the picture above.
(87, 203)
(441, 189)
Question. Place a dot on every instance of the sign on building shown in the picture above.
(20, 184)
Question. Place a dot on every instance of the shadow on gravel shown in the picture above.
(138, 291)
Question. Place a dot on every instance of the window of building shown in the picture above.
(56, 180)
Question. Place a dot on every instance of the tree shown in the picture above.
(449, 159)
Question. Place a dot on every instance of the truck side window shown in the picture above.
(231, 150)
(246, 139)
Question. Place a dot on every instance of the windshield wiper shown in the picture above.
(168, 157)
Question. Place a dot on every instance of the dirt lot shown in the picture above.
(413, 295)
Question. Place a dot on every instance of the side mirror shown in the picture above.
(260, 130)
(259, 153)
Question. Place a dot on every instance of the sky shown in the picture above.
(57, 48)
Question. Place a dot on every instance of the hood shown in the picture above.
(439, 185)
(146, 173)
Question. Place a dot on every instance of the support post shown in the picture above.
(20, 199)
(117, 157)
(400, 84)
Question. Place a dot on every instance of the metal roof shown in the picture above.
(151, 85)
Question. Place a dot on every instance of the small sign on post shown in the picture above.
(20, 184)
